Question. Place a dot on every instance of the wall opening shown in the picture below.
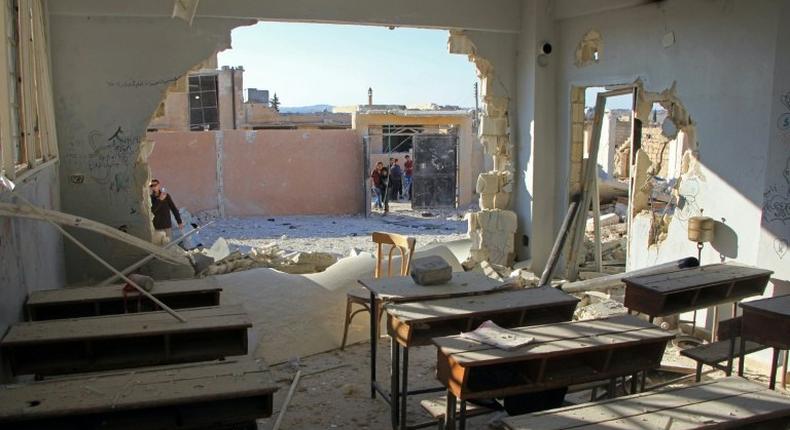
(224, 151)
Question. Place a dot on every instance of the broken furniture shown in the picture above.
(405, 247)
(560, 355)
(413, 324)
(723, 403)
(94, 301)
(664, 294)
(767, 322)
(191, 396)
(715, 353)
(127, 340)
(400, 289)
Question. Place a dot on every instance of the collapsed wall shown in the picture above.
(493, 228)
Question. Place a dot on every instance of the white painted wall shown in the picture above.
(723, 65)
(31, 252)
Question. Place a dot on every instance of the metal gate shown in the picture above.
(435, 176)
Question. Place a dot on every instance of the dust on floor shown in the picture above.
(334, 390)
(336, 234)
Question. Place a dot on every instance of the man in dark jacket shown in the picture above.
(396, 175)
(161, 207)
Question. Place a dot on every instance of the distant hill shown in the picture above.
(305, 109)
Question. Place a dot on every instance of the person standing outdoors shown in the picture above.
(161, 207)
(376, 177)
(384, 183)
(408, 171)
(396, 180)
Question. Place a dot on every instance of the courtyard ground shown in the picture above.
(337, 234)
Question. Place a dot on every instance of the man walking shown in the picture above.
(161, 207)
(376, 177)
(408, 170)
(396, 180)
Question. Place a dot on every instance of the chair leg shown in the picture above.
(346, 324)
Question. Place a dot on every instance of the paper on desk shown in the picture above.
(496, 336)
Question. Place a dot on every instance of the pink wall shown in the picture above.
(264, 172)
(186, 165)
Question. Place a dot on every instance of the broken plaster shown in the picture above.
(493, 229)
(589, 49)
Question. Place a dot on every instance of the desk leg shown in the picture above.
(449, 414)
(743, 356)
(634, 382)
(374, 330)
(404, 391)
(462, 419)
(394, 382)
(774, 365)
(784, 370)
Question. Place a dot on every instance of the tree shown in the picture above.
(276, 102)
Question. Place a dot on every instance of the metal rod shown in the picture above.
(150, 257)
(287, 401)
(140, 289)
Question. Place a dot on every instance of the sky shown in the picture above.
(308, 64)
(617, 102)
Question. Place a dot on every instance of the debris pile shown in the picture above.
(210, 262)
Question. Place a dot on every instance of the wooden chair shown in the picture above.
(361, 297)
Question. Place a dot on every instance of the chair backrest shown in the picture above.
(729, 328)
(405, 246)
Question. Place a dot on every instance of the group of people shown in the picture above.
(392, 182)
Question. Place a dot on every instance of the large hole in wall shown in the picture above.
(646, 168)
(233, 140)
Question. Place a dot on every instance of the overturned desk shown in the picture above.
(189, 396)
(94, 301)
(415, 323)
(126, 340)
(560, 355)
(723, 403)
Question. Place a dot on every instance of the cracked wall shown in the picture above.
(105, 96)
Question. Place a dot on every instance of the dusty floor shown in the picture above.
(336, 234)
(333, 392)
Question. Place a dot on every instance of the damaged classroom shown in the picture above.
(608, 248)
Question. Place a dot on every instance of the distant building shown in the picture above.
(208, 98)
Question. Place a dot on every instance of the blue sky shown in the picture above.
(309, 64)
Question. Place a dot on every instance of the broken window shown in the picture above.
(398, 138)
(203, 106)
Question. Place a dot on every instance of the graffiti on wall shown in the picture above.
(139, 83)
(108, 159)
(776, 199)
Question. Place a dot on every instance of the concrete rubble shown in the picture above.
(218, 260)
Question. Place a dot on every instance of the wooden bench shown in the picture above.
(214, 395)
(726, 403)
(126, 340)
(94, 301)
(713, 354)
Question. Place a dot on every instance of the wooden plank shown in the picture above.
(691, 407)
(552, 332)
(696, 277)
(6, 139)
(403, 288)
(135, 390)
(714, 353)
(125, 325)
(778, 306)
(470, 306)
(93, 294)
(560, 347)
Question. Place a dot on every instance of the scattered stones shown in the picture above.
(266, 256)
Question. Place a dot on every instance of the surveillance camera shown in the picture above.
(545, 48)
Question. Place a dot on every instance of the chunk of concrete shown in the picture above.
(431, 270)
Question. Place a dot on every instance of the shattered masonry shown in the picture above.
(493, 228)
